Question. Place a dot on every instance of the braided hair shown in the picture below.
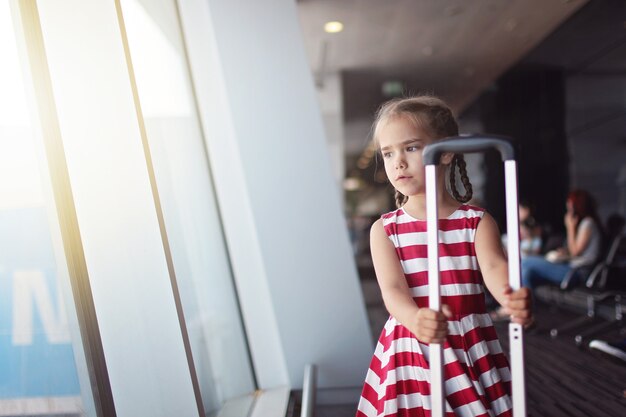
(435, 117)
(459, 161)
(401, 199)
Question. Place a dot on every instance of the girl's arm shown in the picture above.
(494, 267)
(427, 325)
(577, 242)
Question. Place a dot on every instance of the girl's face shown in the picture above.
(401, 144)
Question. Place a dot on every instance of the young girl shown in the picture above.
(476, 372)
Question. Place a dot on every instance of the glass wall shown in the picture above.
(42, 364)
(43, 367)
(190, 212)
(158, 309)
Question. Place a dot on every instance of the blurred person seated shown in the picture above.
(529, 232)
(583, 247)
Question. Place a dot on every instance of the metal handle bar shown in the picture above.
(468, 144)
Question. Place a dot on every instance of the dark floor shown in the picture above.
(561, 378)
(565, 380)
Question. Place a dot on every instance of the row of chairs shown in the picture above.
(604, 283)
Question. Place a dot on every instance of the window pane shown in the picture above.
(42, 365)
(186, 194)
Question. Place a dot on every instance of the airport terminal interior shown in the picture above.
(188, 190)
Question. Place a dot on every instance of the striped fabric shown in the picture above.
(476, 371)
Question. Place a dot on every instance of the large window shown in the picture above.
(114, 193)
(42, 365)
(186, 195)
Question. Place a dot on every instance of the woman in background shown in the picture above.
(583, 246)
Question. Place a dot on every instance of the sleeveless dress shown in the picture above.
(476, 371)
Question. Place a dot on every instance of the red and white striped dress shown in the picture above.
(476, 372)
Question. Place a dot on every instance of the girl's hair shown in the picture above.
(436, 119)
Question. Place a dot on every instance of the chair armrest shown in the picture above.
(595, 273)
(566, 284)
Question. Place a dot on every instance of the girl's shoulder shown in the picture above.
(398, 218)
(396, 221)
(392, 219)
(472, 208)
(464, 210)
(467, 211)
(392, 214)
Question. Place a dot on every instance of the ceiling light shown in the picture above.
(333, 27)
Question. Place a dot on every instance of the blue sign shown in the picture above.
(36, 355)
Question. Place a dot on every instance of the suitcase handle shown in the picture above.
(468, 144)
(431, 157)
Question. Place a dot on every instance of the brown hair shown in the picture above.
(435, 117)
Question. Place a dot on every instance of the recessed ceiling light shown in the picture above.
(333, 27)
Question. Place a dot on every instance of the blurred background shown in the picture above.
(187, 187)
(546, 74)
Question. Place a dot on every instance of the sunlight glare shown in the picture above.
(20, 183)
(155, 59)
(13, 108)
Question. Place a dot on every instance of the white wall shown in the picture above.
(287, 237)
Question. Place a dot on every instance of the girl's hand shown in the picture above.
(517, 304)
(431, 326)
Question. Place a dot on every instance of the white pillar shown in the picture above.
(287, 236)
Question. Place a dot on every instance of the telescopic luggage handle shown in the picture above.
(431, 156)
(468, 144)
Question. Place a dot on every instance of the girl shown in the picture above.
(476, 371)
(583, 246)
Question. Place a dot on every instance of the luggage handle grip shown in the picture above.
(467, 144)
